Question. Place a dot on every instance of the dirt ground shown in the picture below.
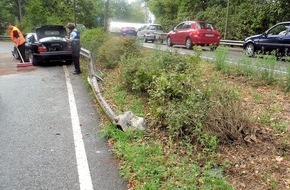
(265, 162)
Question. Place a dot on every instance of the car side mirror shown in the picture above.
(264, 34)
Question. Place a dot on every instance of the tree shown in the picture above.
(121, 10)
(245, 17)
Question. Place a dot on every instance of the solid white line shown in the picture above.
(81, 157)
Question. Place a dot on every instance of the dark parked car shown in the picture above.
(48, 44)
(276, 38)
(128, 31)
(191, 33)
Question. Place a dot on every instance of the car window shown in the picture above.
(285, 31)
(187, 25)
(203, 25)
(30, 38)
(180, 26)
(51, 33)
(278, 30)
(152, 27)
(159, 28)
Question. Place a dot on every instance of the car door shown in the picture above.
(273, 39)
(141, 31)
(185, 32)
(286, 39)
(159, 29)
(176, 34)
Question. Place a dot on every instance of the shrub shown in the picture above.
(185, 104)
(110, 53)
(139, 72)
(221, 54)
(92, 39)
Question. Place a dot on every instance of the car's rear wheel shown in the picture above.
(169, 43)
(188, 43)
(32, 59)
(250, 49)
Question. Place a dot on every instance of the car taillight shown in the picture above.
(42, 49)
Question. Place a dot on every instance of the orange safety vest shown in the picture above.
(22, 39)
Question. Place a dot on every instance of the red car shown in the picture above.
(191, 33)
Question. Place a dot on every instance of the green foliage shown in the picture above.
(220, 58)
(92, 39)
(33, 13)
(122, 10)
(183, 103)
(268, 69)
(139, 72)
(111, 52)
(152, 165)
(6, 15)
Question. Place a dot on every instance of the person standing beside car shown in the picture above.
(74, 39)
(18, 39)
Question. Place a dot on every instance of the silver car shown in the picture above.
(150, 32)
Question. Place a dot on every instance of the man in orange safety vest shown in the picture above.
(18, 39)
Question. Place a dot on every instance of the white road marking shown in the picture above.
(81, 157)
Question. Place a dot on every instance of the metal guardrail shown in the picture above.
(123, 121)
(2, 37)
(232, 43)
(237, 43)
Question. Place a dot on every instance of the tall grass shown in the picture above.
(263, 70)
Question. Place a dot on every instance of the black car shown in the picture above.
(48, 44)
(276, 39)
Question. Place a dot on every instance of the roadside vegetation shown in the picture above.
(209, 125)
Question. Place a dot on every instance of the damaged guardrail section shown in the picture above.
(124, 121)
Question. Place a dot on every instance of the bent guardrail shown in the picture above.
(124, 121)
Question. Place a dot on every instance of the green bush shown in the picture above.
(92, 39)
(183, 102)
(111, 52)
(139, 72)
(221, 54)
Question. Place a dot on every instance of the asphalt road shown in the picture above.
(48, 129)
(235, 55)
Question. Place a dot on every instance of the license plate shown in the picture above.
(51, 49)
(209, 35)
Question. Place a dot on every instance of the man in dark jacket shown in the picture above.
(74, 38)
